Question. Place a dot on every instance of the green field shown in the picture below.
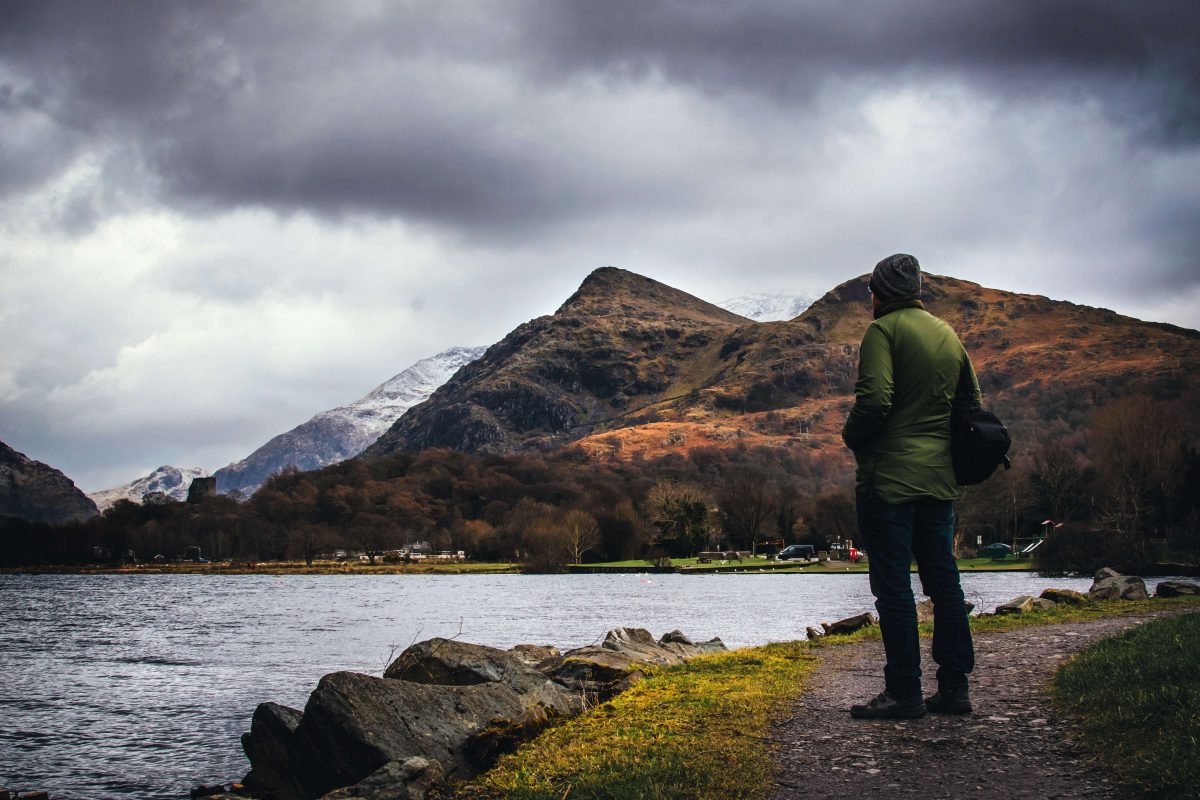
(1136, 699)
(692, 565)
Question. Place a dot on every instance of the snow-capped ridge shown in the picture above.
(170, 480)
(344, 432)
(768, 307)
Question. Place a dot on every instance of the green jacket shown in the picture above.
(912, 370)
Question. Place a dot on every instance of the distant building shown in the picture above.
(202, 488)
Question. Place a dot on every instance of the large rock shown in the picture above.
(676, 642)
(1065, 597)
(849, 624)
(1109, 585)
(1025, 604)
(596, 673)
(409, 779)
(925, 609)
(1176, 589)
(447, 662)
(454, 705)
(271, 749)
(535, 656)
(354, 724)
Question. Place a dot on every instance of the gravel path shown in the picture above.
(1013, 746)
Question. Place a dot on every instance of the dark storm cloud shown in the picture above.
(1139, 58)
(334, 108)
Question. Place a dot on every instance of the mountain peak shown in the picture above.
(38, 492)
(610, 290)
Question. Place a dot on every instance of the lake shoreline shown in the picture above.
(757, 567)
(467, 569)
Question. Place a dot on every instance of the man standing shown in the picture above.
(912, 372)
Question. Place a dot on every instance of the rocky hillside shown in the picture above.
(629, 367)
(37, 492)
(620, 342)
(171, 481)
(343, 432)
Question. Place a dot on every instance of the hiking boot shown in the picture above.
(950, 701)
(887, 706)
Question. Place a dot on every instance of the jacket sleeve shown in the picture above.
(872, 392)
(967, 394)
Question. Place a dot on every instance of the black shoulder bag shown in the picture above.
(979, 443)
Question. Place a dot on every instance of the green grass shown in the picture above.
(698, 730)
(1136, 697)
(692, 565)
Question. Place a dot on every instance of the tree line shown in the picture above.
(1125, 489)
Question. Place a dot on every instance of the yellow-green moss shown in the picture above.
(699, 730)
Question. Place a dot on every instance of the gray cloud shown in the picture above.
(221, 217)
(438, 113)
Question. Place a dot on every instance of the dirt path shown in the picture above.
(1013, 746)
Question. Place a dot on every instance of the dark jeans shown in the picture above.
(892, 536)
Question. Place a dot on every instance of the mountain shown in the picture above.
(768, 307)
(629, 368)
(171, 481)
(619, 344)
(342, 432)
(37, 492)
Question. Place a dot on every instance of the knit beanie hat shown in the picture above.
(897, 276)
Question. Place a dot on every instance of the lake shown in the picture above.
(140, 686)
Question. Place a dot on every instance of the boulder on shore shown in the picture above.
(270, 747)
(597, 673)
(1177, 589)
(444, 709)
(1025, 604)
(409, 779)
(535, 656)
(1065, 597)
(925, 609)
(849, 624)
(448, 662)
(1111, 585)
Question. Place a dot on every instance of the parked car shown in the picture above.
(796, 551)
(994, 550)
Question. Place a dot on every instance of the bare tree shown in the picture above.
(580, 533)
(680, 511)
(1136, 450)
(748, 501)
(308, 540)
(1057, 479)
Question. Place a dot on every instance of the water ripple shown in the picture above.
(140, 686)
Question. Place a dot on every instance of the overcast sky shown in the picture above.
(217, 219)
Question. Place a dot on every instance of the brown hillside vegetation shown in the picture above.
(618, 344)
(631, 368)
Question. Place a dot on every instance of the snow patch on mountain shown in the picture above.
(171, 481)
(764, 307)
(346, 431)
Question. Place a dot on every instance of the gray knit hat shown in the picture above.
(896, 277)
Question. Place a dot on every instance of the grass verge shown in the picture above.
(693, 566)
(702, 729)
(1136, 697)
(698, 730)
